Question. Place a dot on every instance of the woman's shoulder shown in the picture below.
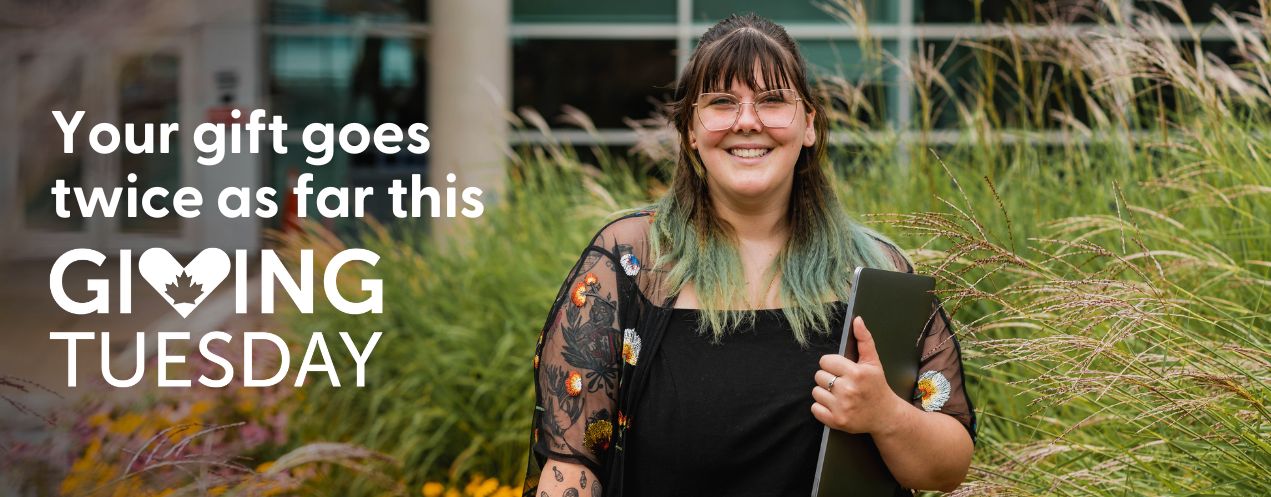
(627, 233)
(892, 252)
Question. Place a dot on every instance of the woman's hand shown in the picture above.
(860, 401)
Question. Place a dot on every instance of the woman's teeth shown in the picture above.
(749, 153)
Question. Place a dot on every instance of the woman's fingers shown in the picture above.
(822, 378)
(823, 396)
(836, 364)
(822, 414)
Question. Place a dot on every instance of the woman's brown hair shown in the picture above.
(699, 247)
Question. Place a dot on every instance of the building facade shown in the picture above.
(461, 66)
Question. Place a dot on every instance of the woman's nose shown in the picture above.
(747, 119)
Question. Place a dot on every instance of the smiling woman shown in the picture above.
(691, 349)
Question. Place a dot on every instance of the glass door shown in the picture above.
(140, 82)
(39, 82)
(152, 86)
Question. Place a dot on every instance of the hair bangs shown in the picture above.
(736, 58)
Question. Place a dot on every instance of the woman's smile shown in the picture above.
(749, 151)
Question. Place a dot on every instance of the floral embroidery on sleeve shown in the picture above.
(599, 432)
(630, 264)
(630, 346)
(933, 388)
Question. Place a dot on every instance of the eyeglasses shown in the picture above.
(719, 111)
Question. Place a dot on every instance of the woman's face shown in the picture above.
(750, 161)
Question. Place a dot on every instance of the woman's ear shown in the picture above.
(809, 132)
(692, 139)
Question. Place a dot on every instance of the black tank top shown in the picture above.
(732, 418)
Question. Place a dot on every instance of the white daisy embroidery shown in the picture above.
(933, 388)
(630, 346)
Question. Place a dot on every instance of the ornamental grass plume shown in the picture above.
(1104, 241)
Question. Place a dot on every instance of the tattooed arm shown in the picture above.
(562, 479)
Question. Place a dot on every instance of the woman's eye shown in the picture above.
(722, 101)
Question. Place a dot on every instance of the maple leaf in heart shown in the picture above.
(185, 290)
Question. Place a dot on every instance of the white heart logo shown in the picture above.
(184, 287)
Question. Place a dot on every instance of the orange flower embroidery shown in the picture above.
(574, 384)
(591, 279)
(579, 295)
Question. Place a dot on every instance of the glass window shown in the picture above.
(43, 85)
(1002, 11)
(345, 11)
(835, 64)
(710, 11)
(340, 79)
(1031, 103)
(606, 79)
(593, 11)
(1169, 98)
(846, 58)
(149, 92)
(1199, 12)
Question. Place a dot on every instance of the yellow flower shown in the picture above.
(507, 492)
(486, 488)
(127, 424)
(597, 436)
(432, 489)
(98, 419)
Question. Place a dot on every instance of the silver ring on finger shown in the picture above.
(830, 386)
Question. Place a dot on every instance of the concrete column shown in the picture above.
(469, 94)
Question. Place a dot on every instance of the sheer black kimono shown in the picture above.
(608, 320)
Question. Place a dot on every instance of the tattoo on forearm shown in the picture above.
(542, 493)
(560, 477)
(570, 492)
(595, 489)
(582, 479)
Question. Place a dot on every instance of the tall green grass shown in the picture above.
(448, 388)
(1100, 223)
(1113, 285)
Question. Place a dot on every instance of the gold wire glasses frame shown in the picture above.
(720, 111)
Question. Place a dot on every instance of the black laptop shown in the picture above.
(896, 307)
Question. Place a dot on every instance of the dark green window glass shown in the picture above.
(834, 63)
(593, 11)
(340, 79)
(608, 80)
(345, 12)
(149, 92)
(710, 11)
(1200, 12)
